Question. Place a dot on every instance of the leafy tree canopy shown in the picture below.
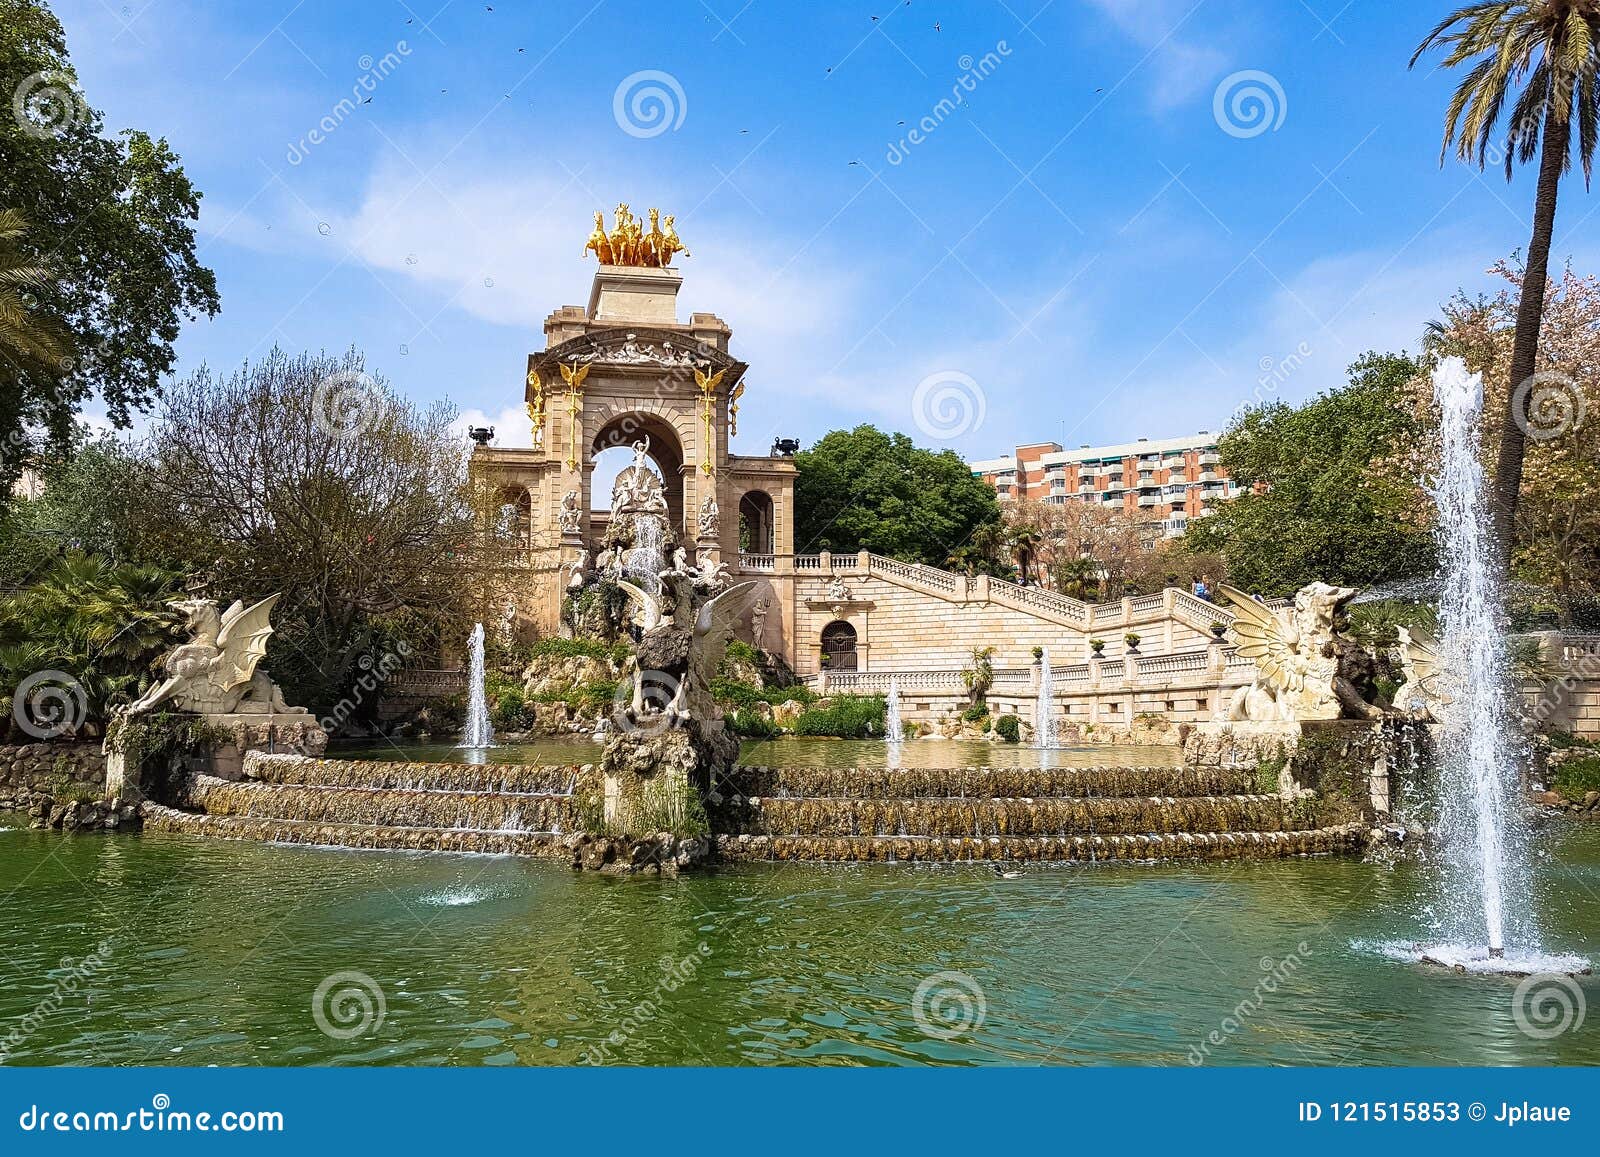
(110, 220)
(1330, 492)
(863, 489)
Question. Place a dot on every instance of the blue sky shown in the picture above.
(1094, 243)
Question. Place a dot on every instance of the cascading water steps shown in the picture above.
(772, 813)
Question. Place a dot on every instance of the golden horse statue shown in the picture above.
(599, 242)
(629, 243)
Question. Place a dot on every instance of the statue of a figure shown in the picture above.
(758, 620)
(571, 514)
(837, 590)
(580, 571)
(1301, 661)
(709, 517)
(638, 488)
(709, 574)
(216, 671)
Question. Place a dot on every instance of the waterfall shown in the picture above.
(1044, 719)
(479, 732)
(893, 732)
(647, 558)
(1478, 777)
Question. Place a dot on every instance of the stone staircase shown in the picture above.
(434, 807)
(953, 814)
(1004, 814)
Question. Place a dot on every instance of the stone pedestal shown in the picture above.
(655, 782)
(624, 293)
(295, 732)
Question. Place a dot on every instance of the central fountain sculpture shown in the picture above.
(665, 741)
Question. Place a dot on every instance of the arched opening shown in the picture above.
(756, 523)
(839, 646)
(612, 451)
(514, 516)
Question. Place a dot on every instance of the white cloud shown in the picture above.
(1179, 67)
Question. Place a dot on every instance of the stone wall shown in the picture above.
(33, 771)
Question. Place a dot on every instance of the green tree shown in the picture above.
(110, 218)
(863, 489)
(1551, 49)
(1328, 488)
(307, 476)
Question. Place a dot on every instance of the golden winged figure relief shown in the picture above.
(574, 375)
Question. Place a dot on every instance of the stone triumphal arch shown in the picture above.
(624, 371)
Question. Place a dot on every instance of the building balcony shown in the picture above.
(1210, 458)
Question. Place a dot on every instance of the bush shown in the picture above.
(750, 725)
(1577, 777)
(510, 711)
(846, 717)
(745, 697)
(976, 712)
(1008, 728)
(557, 648)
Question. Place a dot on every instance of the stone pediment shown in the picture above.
(641, 347)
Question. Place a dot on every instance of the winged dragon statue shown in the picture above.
(1302, 664)
(217, 670)
(679, 652)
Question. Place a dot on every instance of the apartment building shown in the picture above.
(1168, 480)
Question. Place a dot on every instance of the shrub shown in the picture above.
(1008, 728)
(1097, 645)
(558, 648)
(750, 725)
(1577, 777)
(510, 710)
(745, 697)
(846, 717)
(976, 712)
(1132, 640)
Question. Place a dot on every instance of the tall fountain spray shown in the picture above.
(479, 732)
(1044, 718)
(1478, 777)
(893, 732)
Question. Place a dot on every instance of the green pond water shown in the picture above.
(215, 951)
(795, 752)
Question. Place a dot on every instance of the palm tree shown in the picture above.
(1025, 543)
(1550, 48)
(26, 340)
